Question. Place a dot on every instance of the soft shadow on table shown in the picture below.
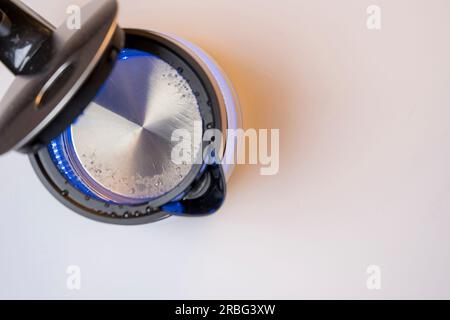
(265, 102)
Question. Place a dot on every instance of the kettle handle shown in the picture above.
(25, 38)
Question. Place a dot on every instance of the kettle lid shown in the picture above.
(57, 71)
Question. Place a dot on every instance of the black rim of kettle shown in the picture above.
(98, 210)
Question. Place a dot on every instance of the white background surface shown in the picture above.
(364, 178)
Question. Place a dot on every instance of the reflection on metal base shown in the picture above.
(120, 148)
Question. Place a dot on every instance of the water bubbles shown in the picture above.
(107, 168)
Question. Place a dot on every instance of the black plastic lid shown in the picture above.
(58, 71)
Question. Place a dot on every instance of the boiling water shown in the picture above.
(120, 149)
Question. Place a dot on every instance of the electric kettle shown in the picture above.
(103, 112)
